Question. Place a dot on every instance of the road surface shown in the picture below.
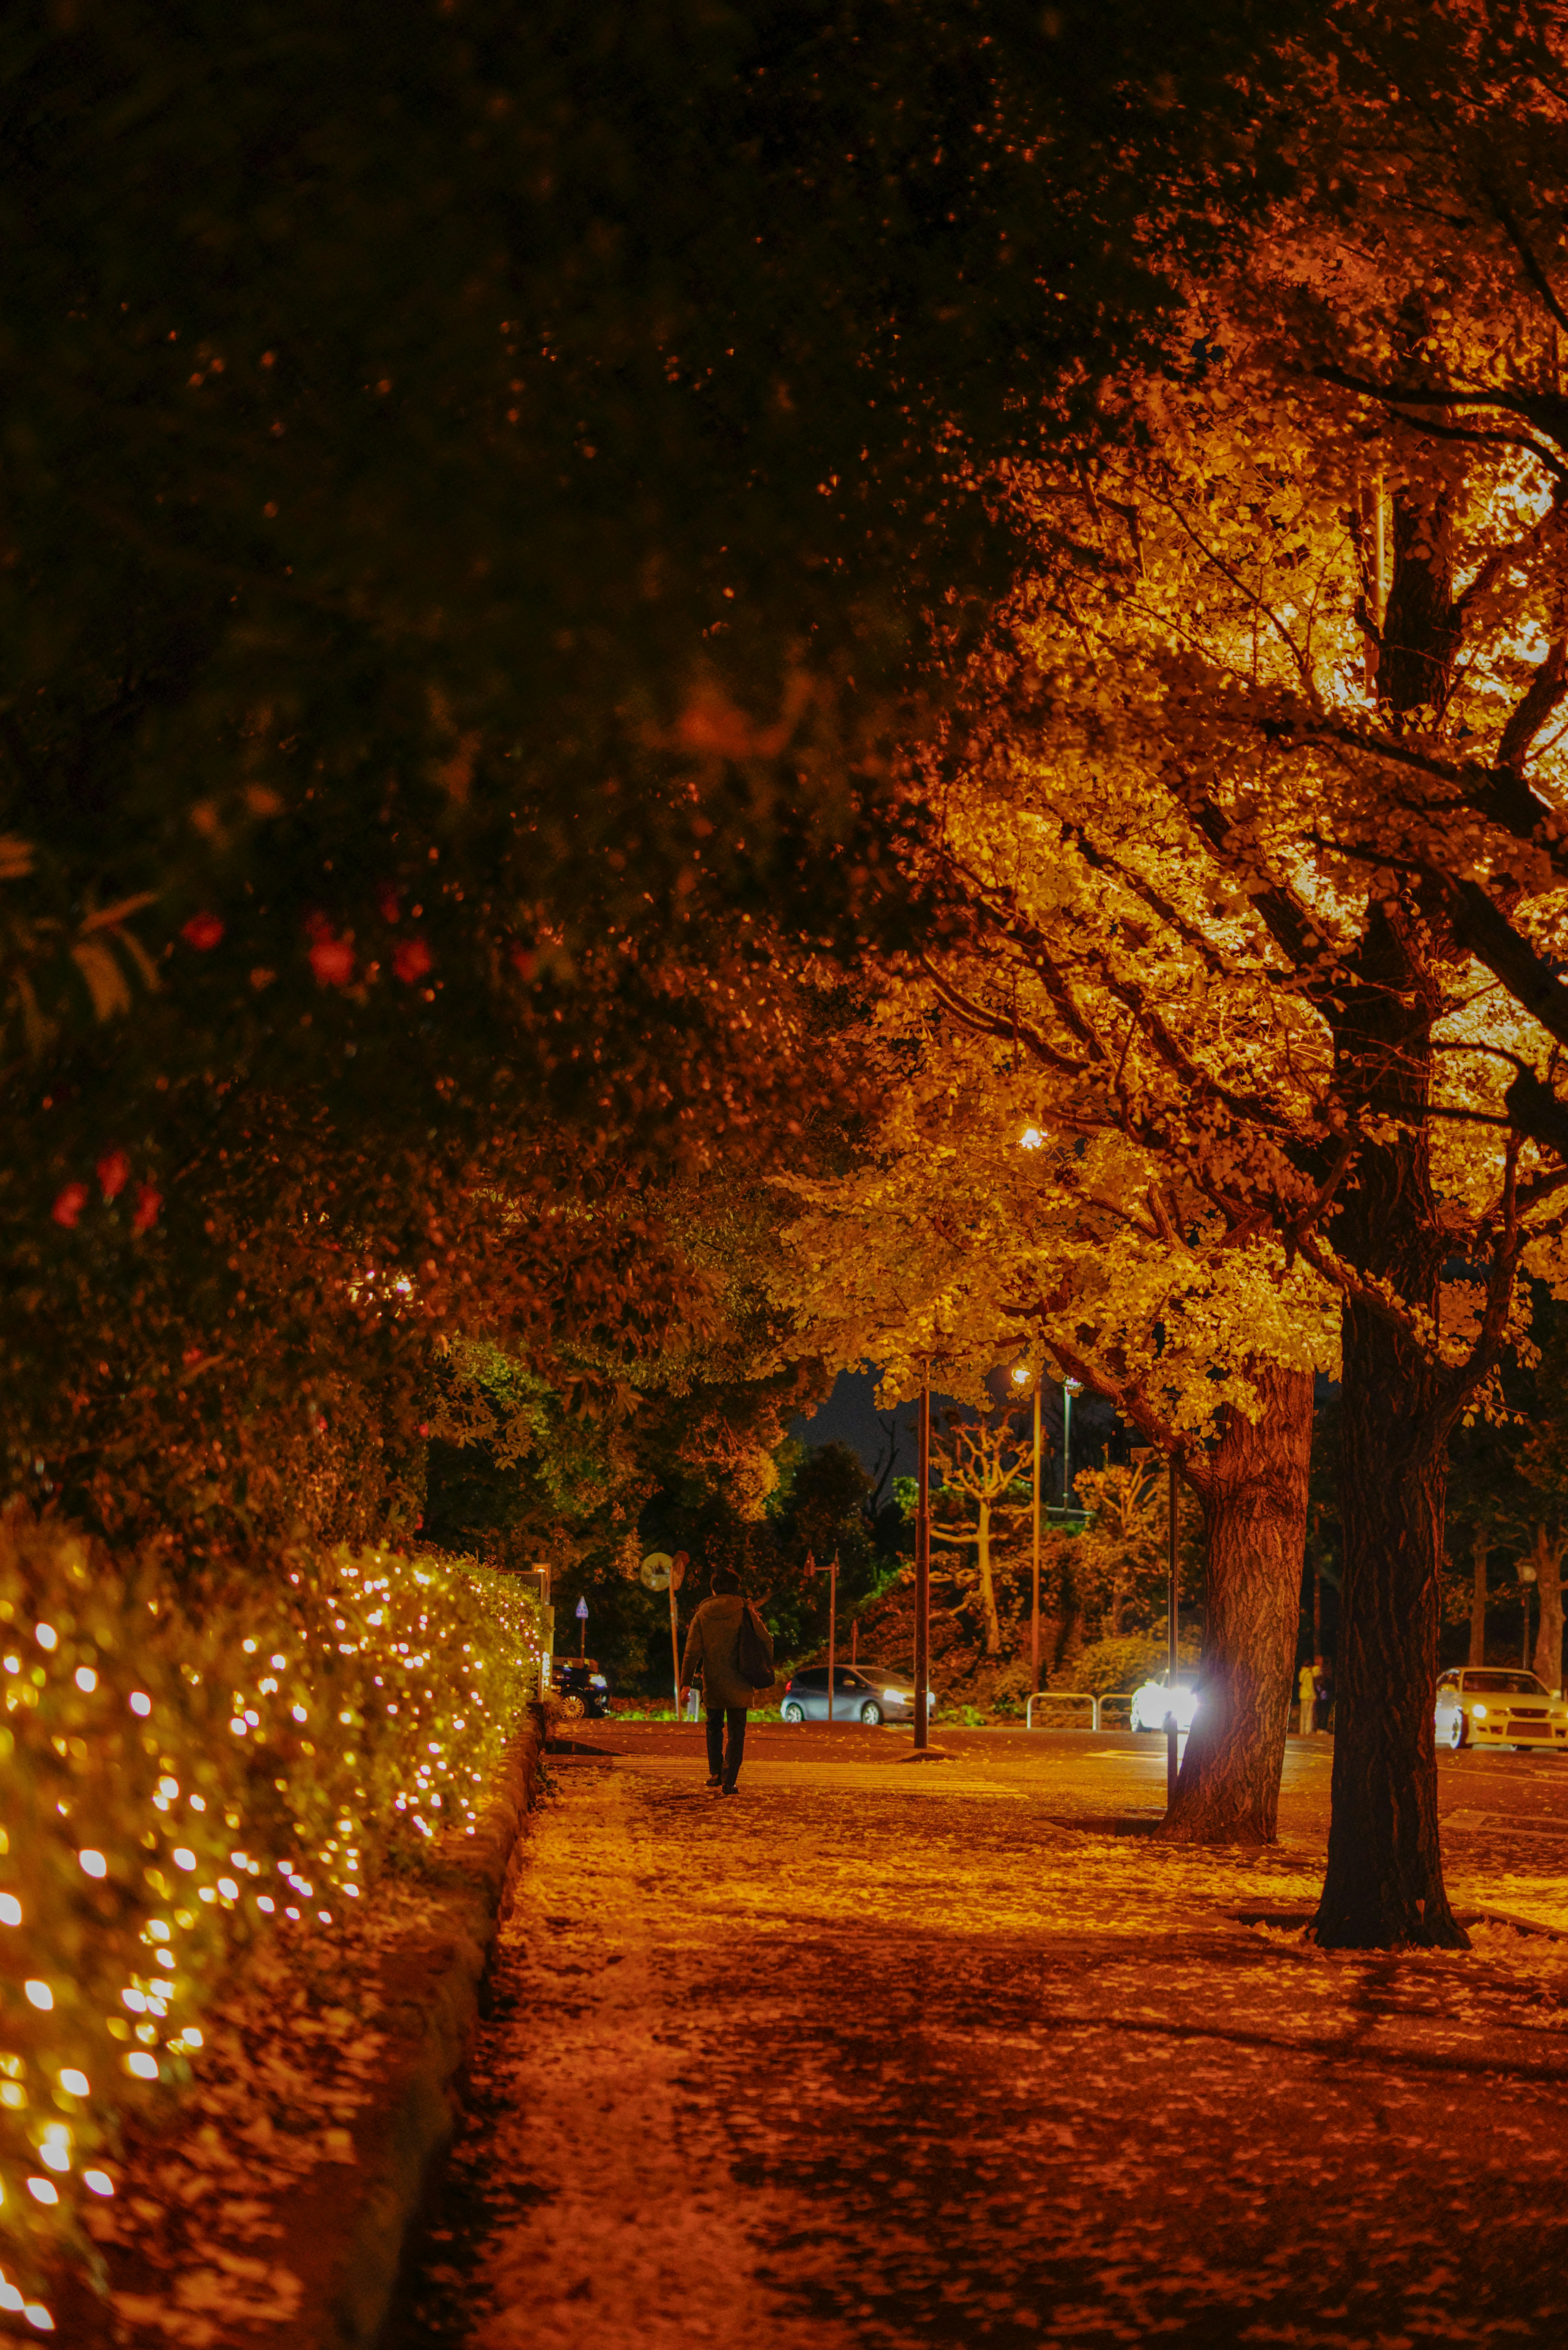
(884, 2054)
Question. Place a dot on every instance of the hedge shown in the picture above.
(178, 1779)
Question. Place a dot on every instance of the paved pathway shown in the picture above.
(882, 2055)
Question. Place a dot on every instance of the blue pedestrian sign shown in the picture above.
(583, 1607)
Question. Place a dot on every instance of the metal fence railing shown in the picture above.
(1064, 1696)
(1097, 1707)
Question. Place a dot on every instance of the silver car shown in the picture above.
(860, 1693)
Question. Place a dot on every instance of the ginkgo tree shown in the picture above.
(990, 1221)
(1261, 825)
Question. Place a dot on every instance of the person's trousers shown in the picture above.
(724, 1750)
(1309, 1716)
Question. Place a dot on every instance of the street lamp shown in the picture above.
(1070, 1388)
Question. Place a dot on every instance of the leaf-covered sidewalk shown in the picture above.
(881, 2055)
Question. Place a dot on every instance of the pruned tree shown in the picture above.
(981, 1465)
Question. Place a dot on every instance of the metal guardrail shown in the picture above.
(1096, 1705)
(1062, 1697)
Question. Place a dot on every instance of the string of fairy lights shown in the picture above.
(174, 1786)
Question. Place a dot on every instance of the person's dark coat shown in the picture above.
(711, 1652)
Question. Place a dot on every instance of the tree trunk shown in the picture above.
(1479, 1550)
(1547, 1555)
(1255, 1490)
(1384, 1884)
(986, 1587)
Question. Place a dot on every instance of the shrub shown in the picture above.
(1105, 1667)
(178, 1782)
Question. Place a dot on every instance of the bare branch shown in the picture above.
(1546, 689)
(1514, 231)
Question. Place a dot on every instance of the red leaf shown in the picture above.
(332, 961)
(387, 904)
(201, 931)
(412, 960)
(113, 1173)
(148, 1202)
(69, 1205)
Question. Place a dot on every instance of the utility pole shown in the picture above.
(1170, 1754)
(1317, 1582)
(832, 1625)
(1035, 1595)
(676, 1576)
(923, 1566)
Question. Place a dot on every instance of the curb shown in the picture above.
(343, 2233)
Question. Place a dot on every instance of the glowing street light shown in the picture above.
(1070, 1388)
(1031, 1138)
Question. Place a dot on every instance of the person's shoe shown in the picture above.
(713, 1779)
(729, 1790)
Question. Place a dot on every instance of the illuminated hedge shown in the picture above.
(174, 1787)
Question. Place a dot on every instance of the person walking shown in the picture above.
(713, 1650)
(1306, 1691)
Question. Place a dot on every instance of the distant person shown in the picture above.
(712, 1651)
(1306, 1692)
(1324, 1716)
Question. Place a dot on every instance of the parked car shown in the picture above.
(1481, 1705)
(582, 1688)
(1154, 1700)
(860, 1693)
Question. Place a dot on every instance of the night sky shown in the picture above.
(850, 1417)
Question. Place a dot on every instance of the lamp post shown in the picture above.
(922, 1565)
(1070, 1388)
(678, 1566)
(1170, 1755)
(1020, 1374)
(1526, 1577)
(832, 1627)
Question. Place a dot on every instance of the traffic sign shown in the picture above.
(582, 1607)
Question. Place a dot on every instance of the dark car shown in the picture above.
(860, 1693)
(582, 1688)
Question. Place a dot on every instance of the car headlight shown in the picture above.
(895, 1696)
(597, 1680)
(1479, 1712)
